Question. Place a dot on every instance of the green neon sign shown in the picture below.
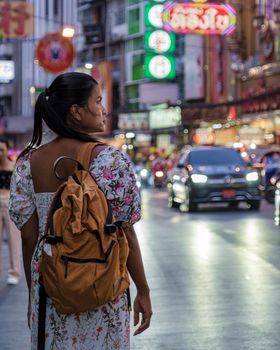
(159, 67)
(159, 41)
(153, 15)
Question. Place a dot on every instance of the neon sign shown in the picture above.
(199, 18)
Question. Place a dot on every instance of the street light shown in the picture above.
(68, 32)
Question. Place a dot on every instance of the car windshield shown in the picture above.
(215, 157)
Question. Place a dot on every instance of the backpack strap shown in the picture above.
(86, 152)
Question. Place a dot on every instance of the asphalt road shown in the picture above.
(214, 278)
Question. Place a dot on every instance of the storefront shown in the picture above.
(263, 113)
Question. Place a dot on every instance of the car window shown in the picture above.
(215, 157)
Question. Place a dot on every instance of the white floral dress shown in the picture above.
(107, 327)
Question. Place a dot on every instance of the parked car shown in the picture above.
(275, 182)
(213, 175)
(270, 167)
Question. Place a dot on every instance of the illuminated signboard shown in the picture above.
(16, 19)
(159, 41)
(159, 67)
(153, 15)
(165, 117)
(7, 71)
(198, 18)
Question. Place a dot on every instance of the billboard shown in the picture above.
(198, 18)
(16, 19)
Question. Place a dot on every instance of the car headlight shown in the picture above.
(199, 179)
(253, 176)
(159, 173)
(144, 173)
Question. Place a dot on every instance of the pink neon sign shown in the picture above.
(190, 18)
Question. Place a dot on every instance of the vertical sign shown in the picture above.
(194, 72)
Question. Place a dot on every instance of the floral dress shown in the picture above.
(107, 327)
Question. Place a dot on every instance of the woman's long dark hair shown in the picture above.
(53, 106)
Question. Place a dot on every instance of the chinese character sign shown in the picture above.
(16, 19)
(189, 18)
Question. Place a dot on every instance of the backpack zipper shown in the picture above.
(66, 259)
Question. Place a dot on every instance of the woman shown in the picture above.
(72, 108)
(6, 170)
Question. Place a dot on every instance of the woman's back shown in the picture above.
(42, 163)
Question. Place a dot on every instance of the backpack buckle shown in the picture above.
(110, 228)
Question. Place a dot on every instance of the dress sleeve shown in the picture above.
(114, 174)
(22, 202)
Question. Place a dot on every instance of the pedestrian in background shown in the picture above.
(72, 108)
(6, 224)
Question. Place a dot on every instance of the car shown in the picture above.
(213, 175)
(275, 181)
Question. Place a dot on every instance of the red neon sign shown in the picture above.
(190, 18)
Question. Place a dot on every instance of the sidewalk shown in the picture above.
(14, 333)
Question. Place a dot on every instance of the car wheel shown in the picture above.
(255, 205)
(188, 205)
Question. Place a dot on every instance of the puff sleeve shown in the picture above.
(22, 202)
(113, 172)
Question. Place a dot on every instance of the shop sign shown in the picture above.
(165, 117)
(128, 121)
(198, 18)
(153, 15)
(55, 53)
(7, 71)
(16, 19)
(159, 41)
(159, 67)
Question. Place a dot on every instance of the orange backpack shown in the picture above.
(83, 263)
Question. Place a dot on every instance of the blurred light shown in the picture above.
(268, 136)
(252, 176)
(253, 146)
(130, 146)
(129, 135)
(217, 126)
(124, 147)
(32, 90)
(159, 173)
(198, 178)
(238, 144)
(68, 32)
(176, 177)
(89, 65)
(36, 61)
(273, 180)
(244, 154)
(186, 131)
(144, 173)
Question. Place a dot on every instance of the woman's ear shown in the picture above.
(75, 112)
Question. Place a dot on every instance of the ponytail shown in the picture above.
(38, 125)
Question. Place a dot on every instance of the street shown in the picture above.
(214, 277)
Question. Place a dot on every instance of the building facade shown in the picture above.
(18, 95)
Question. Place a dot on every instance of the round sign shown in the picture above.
(160, 66)
(160, 41)
(55, 53)
(155, 16)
